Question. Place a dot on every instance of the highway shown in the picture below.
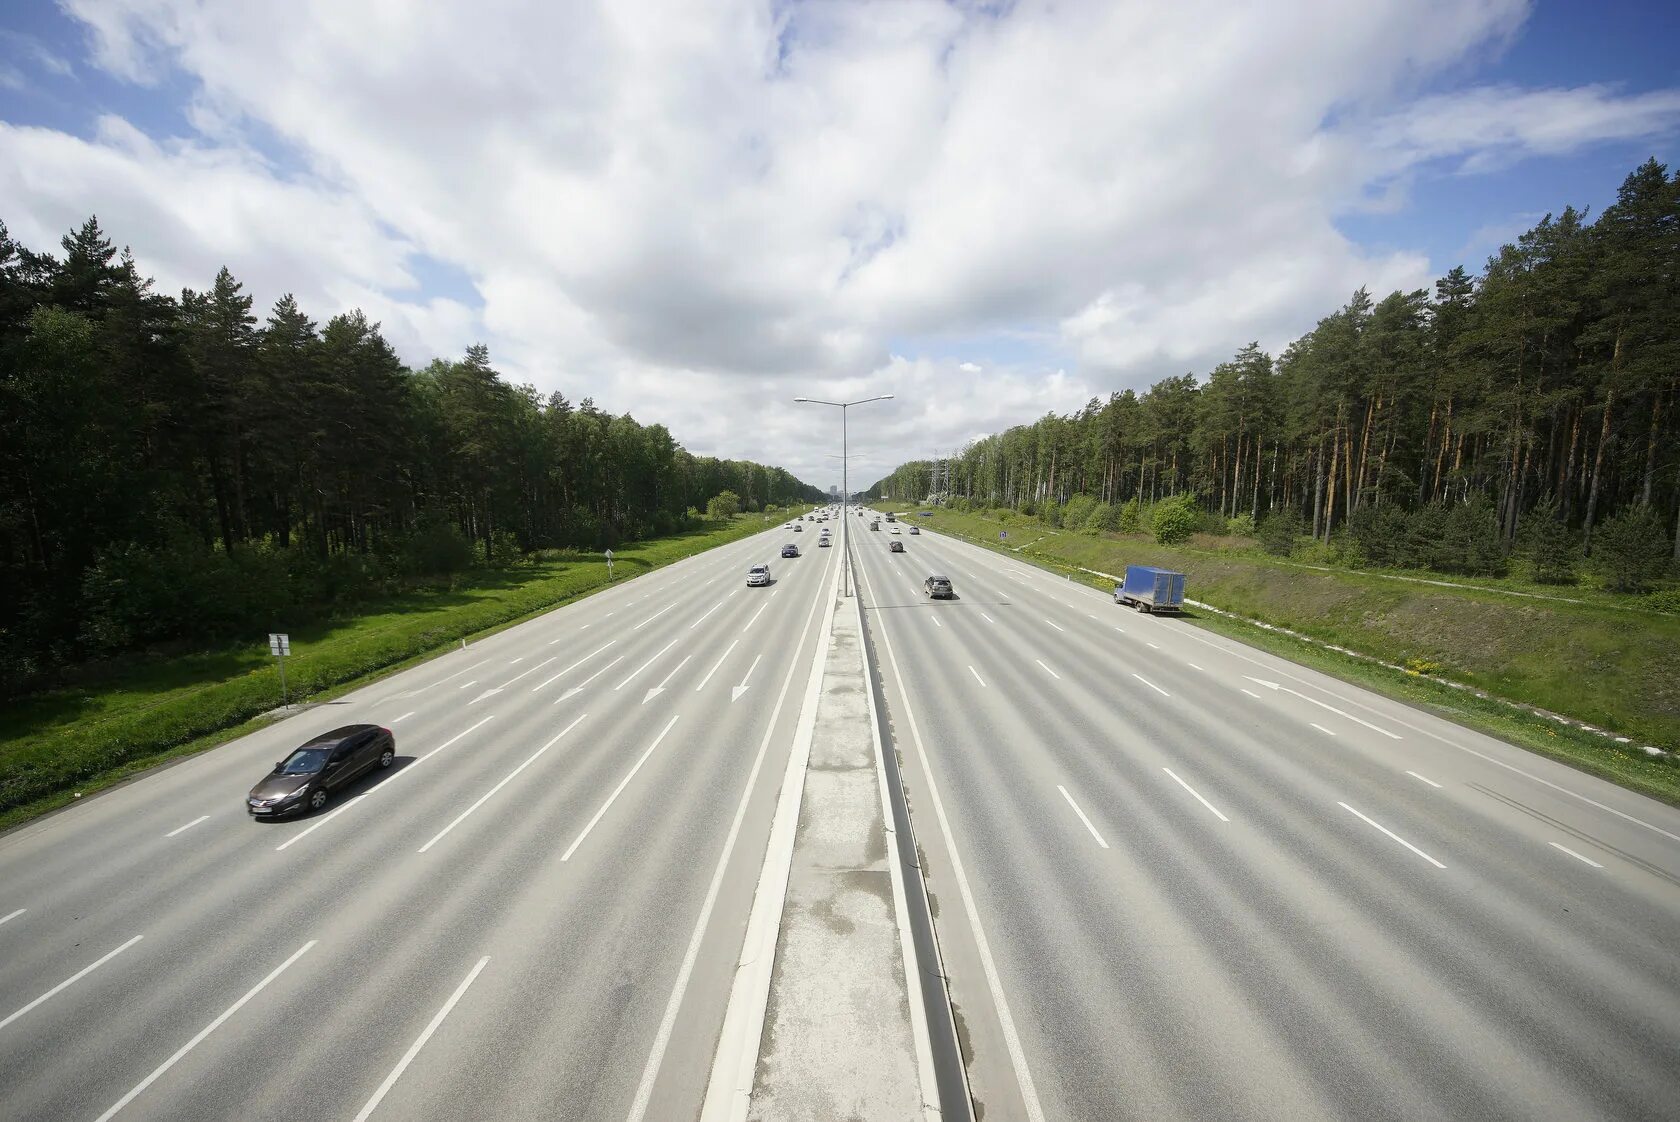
(1176, 877)
(534, 914)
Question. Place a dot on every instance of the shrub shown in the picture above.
(1278, 531)
(1472, 541)
(1668, 600)
(1631, 549)
(1173, 520)
(1426, 533)
(1051, 514)
(1077, 512)
(1552, 548)
(1131, 518)
(1242, 526)
(725, 504)
(1104, 519)
(1380, 533)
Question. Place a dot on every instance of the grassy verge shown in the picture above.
(1616, 669)
(61, 745)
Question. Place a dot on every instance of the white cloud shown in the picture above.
(694, 212)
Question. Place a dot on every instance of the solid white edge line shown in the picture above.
(72, 979)
(12, 916)
(1006, 1021)
(1047, 670)
(1425, 778)
(1393, 835)
(1152, 685)
(1321, 728)
(927, 1077)
(715, 666)
(1575, 855)
(1195, 792)
(204, 1032)
(977, 677)
(505, 779)
(420, 1041)
(188, 826)
(622, 783)
(1081, 814)
(297, 837)
(675, 670)
(668, 1023)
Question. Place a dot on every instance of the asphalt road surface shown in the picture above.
(1199, 881)
(528, 916)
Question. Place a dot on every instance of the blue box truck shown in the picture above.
(1149, 589)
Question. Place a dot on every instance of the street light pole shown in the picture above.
(845, 482)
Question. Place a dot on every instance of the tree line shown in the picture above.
(1541, 390)
(170, 467)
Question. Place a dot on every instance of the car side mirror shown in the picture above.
(278, 764)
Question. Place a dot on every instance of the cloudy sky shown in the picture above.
(696, 211)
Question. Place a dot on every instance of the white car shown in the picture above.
(758, 576)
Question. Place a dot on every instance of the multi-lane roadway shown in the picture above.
(535, 914)
(1173, 876)
(1178, 877)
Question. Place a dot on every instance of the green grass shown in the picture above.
(126, 717)
(1597, 662)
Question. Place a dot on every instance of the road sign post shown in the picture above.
(280, 645)
(609, 566)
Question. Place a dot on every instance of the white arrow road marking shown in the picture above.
(577, 689)
(660, 688)
(1393, 835)
(735, 692)
(715, 666)
(484, 797)
(576, 664)
(631, 676)
(571, 849)
(1322, 705)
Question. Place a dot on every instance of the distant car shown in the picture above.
(874, 525)
(939, 588)
(824, 542)
(307, 779)
(895, 547)
(915, 529)
(758, 576)
(790, 550)
(895, 529)
(798, 529)
(801, 518)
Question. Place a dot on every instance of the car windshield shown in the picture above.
(305, 761)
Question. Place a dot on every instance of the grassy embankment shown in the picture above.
(1601, 662)
(145, 710)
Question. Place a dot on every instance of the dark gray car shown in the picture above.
(317, 769)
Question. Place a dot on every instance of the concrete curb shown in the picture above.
(932, 1107)
(735, 1064)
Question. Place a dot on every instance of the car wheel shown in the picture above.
(318, 798)
(386, 757)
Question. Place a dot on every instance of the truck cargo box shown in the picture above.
(1149, 589)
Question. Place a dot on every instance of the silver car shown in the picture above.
(758, 576)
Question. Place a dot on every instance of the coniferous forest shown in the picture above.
(175, 468)
(1526, 411)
